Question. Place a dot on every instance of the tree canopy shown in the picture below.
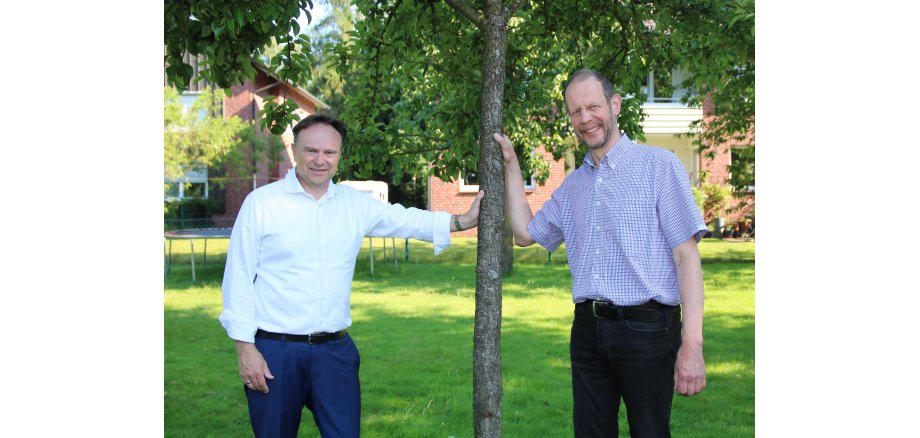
(231, 34)
(416, 76)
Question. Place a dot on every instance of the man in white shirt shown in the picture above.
(287, 284)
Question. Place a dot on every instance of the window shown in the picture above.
(664, 86)
(741, 167)
(469, 182)
(194, 184)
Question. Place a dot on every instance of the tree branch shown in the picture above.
(513, 7)
(468, 11)
(436, 66)
(419, 151)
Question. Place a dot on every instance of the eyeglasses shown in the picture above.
(592, 108)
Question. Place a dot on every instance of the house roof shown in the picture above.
(306, 94)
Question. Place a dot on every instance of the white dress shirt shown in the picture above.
(291, 257)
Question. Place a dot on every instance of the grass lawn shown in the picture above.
(414, 329)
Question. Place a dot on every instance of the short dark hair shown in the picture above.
(323, 119)
(581, 74)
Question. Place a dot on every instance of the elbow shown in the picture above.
(523, 239)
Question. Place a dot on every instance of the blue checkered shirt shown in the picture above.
(620, 220)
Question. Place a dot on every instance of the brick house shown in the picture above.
(665, 118)
(245, 102)
(455, 197)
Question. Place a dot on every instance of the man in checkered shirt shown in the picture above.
(631, 228)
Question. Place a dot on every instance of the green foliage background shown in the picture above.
(414, 75)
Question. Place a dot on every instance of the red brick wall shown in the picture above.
(444, 196)
(718, 174)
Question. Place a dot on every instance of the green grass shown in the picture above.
(414, 330)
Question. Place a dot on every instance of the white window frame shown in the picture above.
(529, 185)
(197, 175)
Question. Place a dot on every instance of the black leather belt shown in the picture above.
(316, 338)
(648, 312)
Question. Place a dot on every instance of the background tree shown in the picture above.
(197, 135)
(232, 33)
(722, 70)
(333, 29)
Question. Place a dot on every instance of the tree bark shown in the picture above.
(507, 248)
(487, 373)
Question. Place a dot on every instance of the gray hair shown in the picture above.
(585, 73)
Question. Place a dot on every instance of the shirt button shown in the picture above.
(596, 276)
(597, 251)
(598, 203)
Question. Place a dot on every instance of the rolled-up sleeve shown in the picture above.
(398, 221)
(239, 313)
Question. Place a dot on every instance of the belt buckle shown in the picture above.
(594, 309)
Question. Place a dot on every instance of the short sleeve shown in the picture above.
(546, 227)
(678, 214)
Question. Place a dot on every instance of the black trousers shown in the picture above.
(628, 360)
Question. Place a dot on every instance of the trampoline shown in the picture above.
(191, 235)
(224, 233)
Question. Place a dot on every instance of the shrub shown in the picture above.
(189, 213)
(716, 199)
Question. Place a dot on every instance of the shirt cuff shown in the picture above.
(238, 331)
(441, 231)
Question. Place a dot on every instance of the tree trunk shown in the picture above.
(507, 248)
(487, 372)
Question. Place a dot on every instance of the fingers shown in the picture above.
(257, 381)
(689, 373)
(505, 143)
(474, 206)
(254, 371)
(472, 215)
(689, 386)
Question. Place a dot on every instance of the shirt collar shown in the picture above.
(615, 154)
(292, 185)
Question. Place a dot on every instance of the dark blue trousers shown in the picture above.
(322, 377)
(628, 360)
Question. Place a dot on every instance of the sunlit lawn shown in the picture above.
(413, 326)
